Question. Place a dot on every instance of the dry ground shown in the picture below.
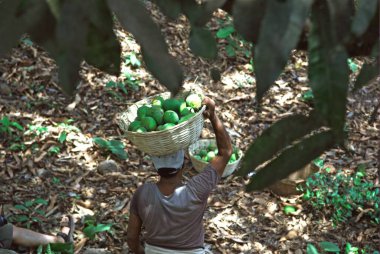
(235, 221)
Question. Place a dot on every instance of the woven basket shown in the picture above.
(288, 186)
(162, 142)
(199, 165)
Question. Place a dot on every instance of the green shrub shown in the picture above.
(342, 196)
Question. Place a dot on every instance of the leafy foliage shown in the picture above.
(28, 212)
(281, 27)
(327, 247)
(92, 228)
(344, 195)
(72, 31)
(114, 146)
(7, 126)
(235, 42)
(56, 248)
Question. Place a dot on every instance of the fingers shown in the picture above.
(209, 102)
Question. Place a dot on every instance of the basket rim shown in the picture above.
(211, 139)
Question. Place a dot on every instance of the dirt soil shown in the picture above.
(67, 175)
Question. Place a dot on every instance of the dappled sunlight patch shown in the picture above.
(237, 79)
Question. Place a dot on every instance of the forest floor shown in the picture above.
(61, 173)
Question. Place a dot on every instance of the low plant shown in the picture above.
(235, 43)
(36, 130)
(131, 60)
(54, 150)
(352, 65)
(116, 147)
(307, 96)
(116, 89)
(131, 81)
(341, 196)
(329, 247)
(29, 212)
(9, 127)
(92, 227)
(56, 248)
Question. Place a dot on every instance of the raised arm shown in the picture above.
(223, 140)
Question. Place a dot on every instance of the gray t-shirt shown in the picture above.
(175, 221)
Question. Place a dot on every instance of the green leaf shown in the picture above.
(21, 218)
(54, 6)
(318, 162)
(39, 249)
(291, 160)
(200, 14)
(91, 230)
(40, 201)
(120, 153)
(353, 66)
(230, 51)
(116, 144)
(364, 14)
(247, 16)
(370, 70)
(135, 18)
(311, 249)
(48, 249)
(100, 142)
(278, 136)
(225, 32)
(5, 121)
(171, 8)
(103, 49)
(308, 96)
(71, 35)
(63, 248)
(280, 31)
(89, 220)
(21, 207)
(328, 69)
(62, 137)
(133, 60)
(202, 42)
(289, 209)
(17, 125)
(329, 247)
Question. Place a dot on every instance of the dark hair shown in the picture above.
(168, 172)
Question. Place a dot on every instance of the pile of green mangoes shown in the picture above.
(165, 114)
(206, 154)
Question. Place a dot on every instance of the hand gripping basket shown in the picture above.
(199, 165)
(162, 142)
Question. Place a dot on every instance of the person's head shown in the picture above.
(169, 165)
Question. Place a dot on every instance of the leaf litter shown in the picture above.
(66, 174)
